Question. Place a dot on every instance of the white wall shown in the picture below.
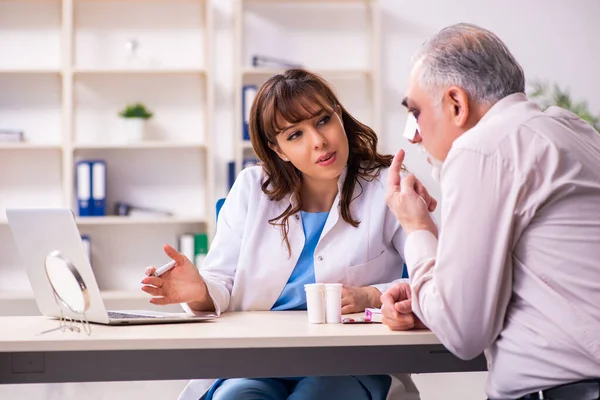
(552, 39)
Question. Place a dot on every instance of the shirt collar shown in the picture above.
(502, 105)
(494, 111)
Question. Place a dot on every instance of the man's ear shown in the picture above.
(278, 151)
(458, 102)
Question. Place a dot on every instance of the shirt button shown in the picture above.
(320, 258)
(297, 216)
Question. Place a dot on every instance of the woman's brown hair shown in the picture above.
(292, 97)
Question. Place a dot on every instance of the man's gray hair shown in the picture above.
(472, 58)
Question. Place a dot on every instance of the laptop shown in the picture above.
(38, 232)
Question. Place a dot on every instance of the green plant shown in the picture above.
(136, 110)
(553, 95)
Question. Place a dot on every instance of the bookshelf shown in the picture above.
(65, 74)
(139, 71)
(143, 145)
(338, 39)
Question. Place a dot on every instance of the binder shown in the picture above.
(194, 246)
(87, 244)
(84, 188)
(200, 248)
(99, 187)
(248, 95)
(186, 245)
(230, 174)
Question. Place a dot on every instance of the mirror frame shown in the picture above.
(82, 286)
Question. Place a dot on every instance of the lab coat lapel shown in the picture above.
(334, 212)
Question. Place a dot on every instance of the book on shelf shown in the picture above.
(130, 210)
(261, 61)
(11, 136)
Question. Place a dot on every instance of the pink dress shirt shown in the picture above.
(516, 271)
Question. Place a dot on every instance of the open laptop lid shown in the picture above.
(37, 233)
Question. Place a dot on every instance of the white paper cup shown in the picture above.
(333, 303)
(315, 302)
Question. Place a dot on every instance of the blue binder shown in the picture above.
(230, 174)
(83, 179)
(404, 272)
(98, 187)
(248, 95)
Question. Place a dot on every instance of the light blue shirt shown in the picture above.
(293, 296)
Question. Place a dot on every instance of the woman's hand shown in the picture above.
(182, 284)
(356, 299)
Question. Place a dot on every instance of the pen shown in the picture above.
(167, 267)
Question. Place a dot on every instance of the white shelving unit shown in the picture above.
(64, 76)
(338, 39)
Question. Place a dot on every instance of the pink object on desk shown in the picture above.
(373, 314)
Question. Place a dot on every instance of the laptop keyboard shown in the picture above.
(118, 315)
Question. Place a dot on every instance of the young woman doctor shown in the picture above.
(313, 212)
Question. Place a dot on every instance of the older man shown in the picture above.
(516, 269)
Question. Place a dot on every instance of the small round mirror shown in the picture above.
(66, 282)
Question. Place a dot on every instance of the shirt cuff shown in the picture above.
(383, 287)
(211, 293)
(420, 245)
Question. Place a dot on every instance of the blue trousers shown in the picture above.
(373, 387)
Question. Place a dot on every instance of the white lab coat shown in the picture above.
(248, 253)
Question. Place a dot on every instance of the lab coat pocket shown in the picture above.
(369, 273)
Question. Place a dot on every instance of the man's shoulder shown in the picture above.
(488, 136)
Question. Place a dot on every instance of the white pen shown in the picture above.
(167, 267)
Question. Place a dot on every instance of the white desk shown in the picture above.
(250, 344)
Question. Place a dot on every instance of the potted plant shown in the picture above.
(134, 118)
(555, 96)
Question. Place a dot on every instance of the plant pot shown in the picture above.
(133, 129)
